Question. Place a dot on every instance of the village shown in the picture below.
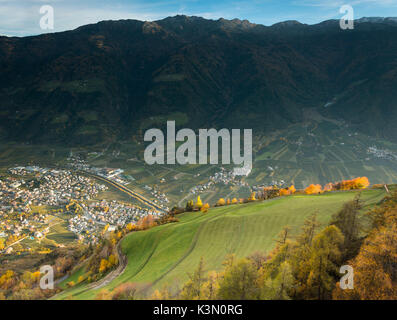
(98, 216)
(118, 176)
(381, 153)
(32, 198)
(223, 177)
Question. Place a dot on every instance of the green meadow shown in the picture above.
(165, 255)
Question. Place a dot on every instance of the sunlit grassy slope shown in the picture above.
(164, 255)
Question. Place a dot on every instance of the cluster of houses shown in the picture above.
(56, 187)
(159, 198)
(31, 186)
(12, 197)
(117, 175)
(274, 183)
(16, 218)
(381, 153)
(84, 227)
(98, 214)
(224, 177)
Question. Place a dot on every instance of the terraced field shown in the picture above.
(322, 151)
(318, 150)
(165, 255)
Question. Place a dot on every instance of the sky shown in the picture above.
(22, 17)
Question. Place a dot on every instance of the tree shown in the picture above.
(356, 183)
(329, 187)
(234, 201)
(112, 260)
(199, 203)
(221, 202)
(125, 291)
(103, 295)
(210, 287)
(205, 208)
(313, 189)
(324, 263)
(257, 259)
(279, 287)
(252, 197)
(189, 206)
(301, 253)
(284, 192)
(375, 276)
(283, 235)
(308, 230)
(280, 254)
(239, 282)
(163, 294)
(347, 220)
(103, 266)
(7, 280)
(192, 290)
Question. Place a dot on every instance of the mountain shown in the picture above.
(113, 79)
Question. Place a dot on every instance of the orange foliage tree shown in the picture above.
(284, 192)
(205, 208)
(357, 183)
(313, 189)
(287, 191)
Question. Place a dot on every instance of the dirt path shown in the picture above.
(113, 274)
(104, 281)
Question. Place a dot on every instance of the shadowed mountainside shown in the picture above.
(112, 79)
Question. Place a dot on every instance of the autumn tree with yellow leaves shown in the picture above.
(199, 203)
(252, 196)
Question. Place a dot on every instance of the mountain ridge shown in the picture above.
(235, 21)
(102, 81)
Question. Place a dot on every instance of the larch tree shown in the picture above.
(325, 262)
(239, 282)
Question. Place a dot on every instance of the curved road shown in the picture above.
(113, 274)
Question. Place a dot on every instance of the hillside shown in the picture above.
(111, 80)
(164, 255)
(317, 98)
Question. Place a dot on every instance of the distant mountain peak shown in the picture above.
(182, 18)
(377, 19)
(287, 23)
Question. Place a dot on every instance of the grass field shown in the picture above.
(165, 255)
